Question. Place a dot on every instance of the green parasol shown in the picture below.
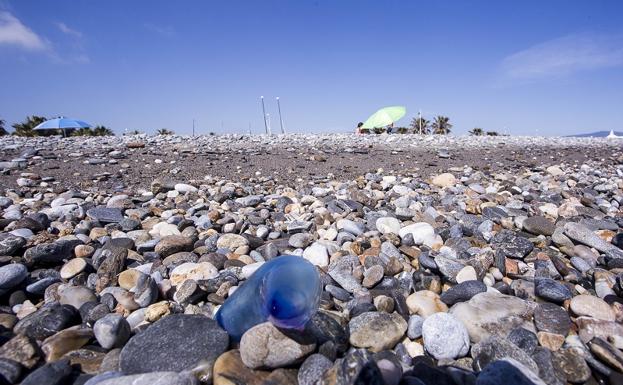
(385, 116)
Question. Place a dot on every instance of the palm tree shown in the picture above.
(3, 131)
(26, 128)
(164, 131)
(85, 131)
(420, 126)
(441, 125)
(134, 132)
(477, 132)
(103, 131)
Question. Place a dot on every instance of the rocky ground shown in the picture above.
(452, 261)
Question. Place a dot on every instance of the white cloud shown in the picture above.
(68, 31)
(564, 56)
(13, 32)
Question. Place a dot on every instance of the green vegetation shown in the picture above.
(420, 126)
(3, 131)
(164, 131)
(477, 132)
(441, 125)
(27, 127)
(97, 131)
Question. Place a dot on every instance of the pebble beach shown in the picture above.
(443, 260)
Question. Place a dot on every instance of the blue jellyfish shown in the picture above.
(285, 291)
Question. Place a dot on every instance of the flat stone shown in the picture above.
(73, 267)
(155, 378)
(49, 253)
(508, 371)
(188, 338)
(316, 254)
(491, 313)
(539, 225)
(54, 373)
(105, 214)
(194, 271)
(388, 225)
(496, 348)
(265, 346)
(570, 364)
(172, 244)
(552, 318)
(445, 337)
(21, 349)
(9, 244)
(230, 370)
(511, 244)
(65, 341)
(48, 320)
(376, 331)
(588, 305)
(550, 290)
(312, 369)
(341, 270)
(12, 275)
(425, 303)
(462, 292)
(583, 234)
(76, 296)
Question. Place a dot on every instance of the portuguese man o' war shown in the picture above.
(285, 291)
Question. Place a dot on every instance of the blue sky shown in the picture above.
(547, 67)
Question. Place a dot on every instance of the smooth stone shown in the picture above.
(425, 303)
(552, 318)
(551, 290)
(22, 350)
(524, 339)
(112, 331)
(12, 275)
(300, 240)
(172, 244)
(462, 292)
(508, 371)
(10, 371)
(105, 214)
(312, 369)
(317, 254)
(444, 180)
(376, 331)
(230, 370)
(349, 226)
(539, 225)
(468, 273)
(551, 341)
(195, 271)
(65, 341)
(422, 233)
(583, 234)
(588, 305)
(54, 373)
(184, 188)
(265, 346)
(10, 243)
(73, 267)
(155, 378)
(76, 296)
(388, 225)
(445, 337)
(49, 253)
(231, 241)
(164, 229)
(47, 320)
(39, 287)
(289, 288)
(492, 313)
(414, 327)
(496, 348)
(187, 338)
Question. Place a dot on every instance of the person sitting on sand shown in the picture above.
(360, 130)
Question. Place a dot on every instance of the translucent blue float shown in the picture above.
(285, 291)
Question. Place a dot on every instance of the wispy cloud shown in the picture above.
(564, 56)
(69, 31)
(14, 32)
(164, 30)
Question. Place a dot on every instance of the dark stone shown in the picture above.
(10, 243)
(48, 320)
(50, 253)
(543, 358)
(505, 372)
(360, 308)
(462, 292)
(551, 290)
(524, 339)
(496, 348)
(539, 225)
(551, 318)
(428, 374)
(174, 343)
(10, 371)
(105, 214)
(356, 368)
(326, 329)
(511, 244)
(617, 240)
(38, 288)
(53, 373)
